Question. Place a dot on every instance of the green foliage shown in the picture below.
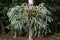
(27, 21)
(55, 8)
(4, 7)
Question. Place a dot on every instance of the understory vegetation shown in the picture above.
(43, 17)
(24, 21)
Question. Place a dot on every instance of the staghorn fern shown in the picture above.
(30, 22)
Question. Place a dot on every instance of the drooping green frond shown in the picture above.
(34, 20)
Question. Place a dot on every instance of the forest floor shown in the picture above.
(9, 37)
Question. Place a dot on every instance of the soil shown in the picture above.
(9, 37)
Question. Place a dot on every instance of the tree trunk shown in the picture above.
(30, 34)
